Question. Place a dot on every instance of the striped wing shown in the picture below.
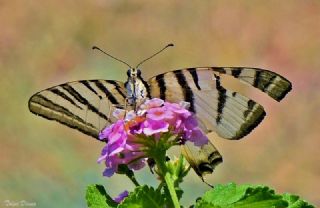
(83, 105)
(228, 113)
(203, 160)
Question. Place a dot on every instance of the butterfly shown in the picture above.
(87, 105)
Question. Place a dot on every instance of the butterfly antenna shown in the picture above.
(167, 46)
(95, 47)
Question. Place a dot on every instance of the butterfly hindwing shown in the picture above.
(83, 105)
(203, 160)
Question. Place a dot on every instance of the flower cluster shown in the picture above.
(126, 138)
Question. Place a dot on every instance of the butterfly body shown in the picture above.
(87, 105)
(136, 87)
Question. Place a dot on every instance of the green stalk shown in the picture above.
(123, 169)
(133, 180)
(172, 191)
(167, 177)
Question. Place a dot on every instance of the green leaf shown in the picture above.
(97, 197)
(295, 202)
(143, 197)
(225, 194)
(245, 196)
(261, 197)
(204, 204)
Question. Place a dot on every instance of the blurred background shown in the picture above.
(45, 43)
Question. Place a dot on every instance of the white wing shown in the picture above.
(228, 113)
(83, 105)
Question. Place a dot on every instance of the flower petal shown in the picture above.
(153, 103)
(121, 196)
(159, 113)
(108, 172)
(154, 127)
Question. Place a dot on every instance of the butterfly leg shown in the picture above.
(125, 106)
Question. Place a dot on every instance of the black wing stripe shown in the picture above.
(247, 127)
(215, 159)
(82, 100)
(79, 104)
(86, 84)
(221, 98)
(146, 86)
(275, 85)
(257, 79)
(236, 72)
(64, 96)
(195, 78)
(187, 92)
(45, 102)
(112, 99)
(93, 133)
(117, 87)
(203, 160)
(236, 112)
(161, 85)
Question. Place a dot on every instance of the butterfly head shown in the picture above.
(136, 87)
(133, 73)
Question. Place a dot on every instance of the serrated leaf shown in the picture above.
(97, 197)
(261, 197)
(204, 204)
(143, 197)
(295, 202)
(225, 194)
(245, 196)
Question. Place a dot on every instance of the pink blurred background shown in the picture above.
(45, 43)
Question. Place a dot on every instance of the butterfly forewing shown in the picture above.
(85, 105)
(229, 113)
(273, 84)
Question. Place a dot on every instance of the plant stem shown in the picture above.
(123, 169)
(169, 182)
(133, 180)
(173, 193)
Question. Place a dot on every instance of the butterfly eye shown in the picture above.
(129, 72)
(139, 72)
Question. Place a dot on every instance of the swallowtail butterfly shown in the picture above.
(86, 105)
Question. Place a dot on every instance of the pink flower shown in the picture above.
(152, 127)
(190, 123)
(126, 138)
(115, 136)
(153, 103)
(178, 109)
(108, 172)
(125, 157)
(159, 113)
(104, 134)
(197, 137)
